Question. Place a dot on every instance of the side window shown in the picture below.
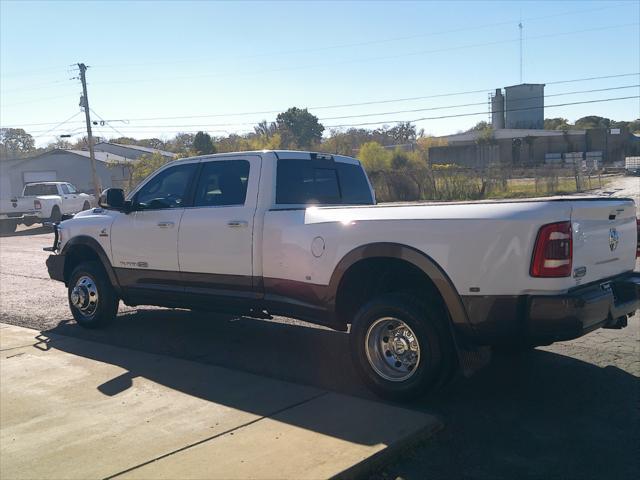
(354, 185)
(71, 188)
(302, 182)
(221, 183)
(168, 189)
(64, 189)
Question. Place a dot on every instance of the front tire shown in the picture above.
(86, 206)
(400, 346)
(92, 299)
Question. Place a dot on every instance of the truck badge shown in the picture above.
(614, 238)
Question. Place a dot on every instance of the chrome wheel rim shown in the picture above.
(392, 349)
(84, 296)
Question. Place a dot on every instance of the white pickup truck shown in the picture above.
(40, 202)
(54, 199)
(299, 234)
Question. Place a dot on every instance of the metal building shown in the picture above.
(525, 106)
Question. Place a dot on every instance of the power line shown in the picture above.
(205, 126)
(441, 95)
(478, 103)
(376, 102)
(58, 125)
(38, 100)
(484, 113)
(36, 86)
(104, 122)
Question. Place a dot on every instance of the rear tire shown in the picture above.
(56, 216)
(7, 227)
(92, 299)
(400, 346)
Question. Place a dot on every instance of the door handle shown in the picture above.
(237, 223)
(166, 224)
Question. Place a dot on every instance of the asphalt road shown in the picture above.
(570, 410)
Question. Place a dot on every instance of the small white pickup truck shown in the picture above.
(42, 202)
(54, 199)
(299, 234)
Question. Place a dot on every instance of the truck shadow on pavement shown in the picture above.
(536, 415)
(37, 230)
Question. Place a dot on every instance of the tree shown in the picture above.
(266, 129)
(202, 144)
(557, 123)
(486, 136)
(403, 132)
(15, 142)
(593, 121)
(399, 159)
(60, 144)
(124, 140)
(181, 143)
(633, 126)
(299, 128)
(144, 166)
(482, 125)
(374, 157)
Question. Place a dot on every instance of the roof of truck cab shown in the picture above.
(280, 154)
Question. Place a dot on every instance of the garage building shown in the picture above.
(73, 166)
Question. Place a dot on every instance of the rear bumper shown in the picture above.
(583, 309)
(541, 320)
(55, 266)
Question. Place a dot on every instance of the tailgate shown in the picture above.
(604, 237)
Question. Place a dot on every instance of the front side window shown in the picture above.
(303, 182)
(222, 183)
(65, 189)
(71, 188)
(168, 189)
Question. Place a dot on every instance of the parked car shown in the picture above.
(54, 199)
(299, 234)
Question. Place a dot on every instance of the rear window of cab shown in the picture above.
(309, 182)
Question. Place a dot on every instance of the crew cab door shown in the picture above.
(144, 243)
(215, 239)
(69, 197)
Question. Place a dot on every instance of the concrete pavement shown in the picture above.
(72, 408)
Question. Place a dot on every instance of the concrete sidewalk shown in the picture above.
(72, 408)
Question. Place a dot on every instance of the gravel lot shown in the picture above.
(569, 410)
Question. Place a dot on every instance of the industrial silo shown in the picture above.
(525, 106)
(497, 110)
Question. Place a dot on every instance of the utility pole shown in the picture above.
(84, 102)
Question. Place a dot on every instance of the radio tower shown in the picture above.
(520, 27)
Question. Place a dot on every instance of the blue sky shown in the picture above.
(152, 60)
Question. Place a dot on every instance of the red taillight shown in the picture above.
(553, 252)
(638, 244)
(37, 205)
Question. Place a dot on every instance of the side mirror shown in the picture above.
(112, 199)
